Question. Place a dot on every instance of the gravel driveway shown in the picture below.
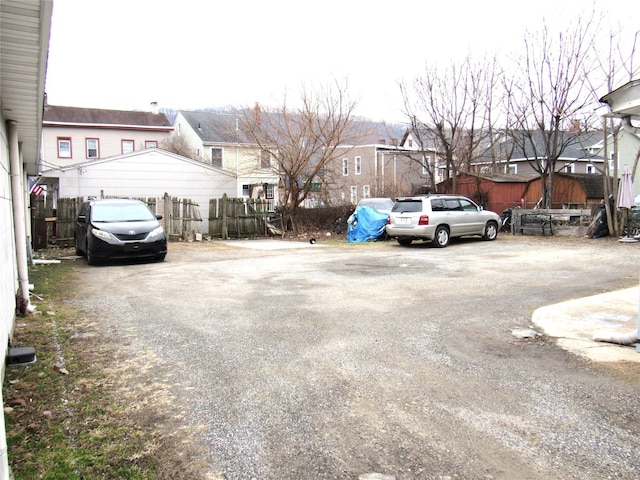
(335, 361)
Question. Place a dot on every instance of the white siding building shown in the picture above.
(24, 43)
(142, 174)
(72, 135)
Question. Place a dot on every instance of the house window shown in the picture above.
(64, 147)
(265, 160)
(345, 167)
(426, 160)
(246, 190)
(358, 166)
(591, 168)
(410, 143)
(216, 157)
(93, 150)
(354, 195)
(150, 144)
(366, 191)
(569, 168)
(511, 169)
(269, 192)
(127, 146)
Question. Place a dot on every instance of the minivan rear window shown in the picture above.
(407, 206)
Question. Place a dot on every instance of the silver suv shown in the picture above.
(438, 218)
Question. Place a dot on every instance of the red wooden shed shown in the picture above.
(570, 190)
(494, 192)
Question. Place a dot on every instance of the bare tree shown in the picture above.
(177, 143)
(450, 111)
(547, 95)
(303, 140)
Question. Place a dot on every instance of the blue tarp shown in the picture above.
(366, 224)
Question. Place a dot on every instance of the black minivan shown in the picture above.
(119, 229)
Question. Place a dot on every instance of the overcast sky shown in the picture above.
(189, 54)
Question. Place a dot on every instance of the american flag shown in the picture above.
(35, 188)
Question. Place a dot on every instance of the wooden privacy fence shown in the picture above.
(181, 216)
(238, 217)
(55, 226)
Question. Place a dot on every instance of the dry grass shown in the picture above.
(108, 417)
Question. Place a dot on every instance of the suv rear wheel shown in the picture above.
(405, 242)
(441, 238)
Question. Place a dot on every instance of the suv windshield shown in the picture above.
(126, 212)
(407, 206)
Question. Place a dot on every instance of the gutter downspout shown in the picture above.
(17, 200)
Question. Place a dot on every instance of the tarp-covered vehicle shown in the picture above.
(366, 224)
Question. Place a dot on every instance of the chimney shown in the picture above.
(257, 115)
(576, 126)
(154, 107)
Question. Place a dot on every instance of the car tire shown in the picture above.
(441, 238)
(490, 231)
(405, 242)
(91, 260)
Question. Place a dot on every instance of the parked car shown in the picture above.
(438, 218)
(382, 205)
(118, 229)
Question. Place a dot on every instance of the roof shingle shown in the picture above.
(97, 116)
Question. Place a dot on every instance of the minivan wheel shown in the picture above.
(441, 238)
(91, 260)
(405, 242)
(491, 231)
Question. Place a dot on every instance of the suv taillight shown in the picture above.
(424, 220)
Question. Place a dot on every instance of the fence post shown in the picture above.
(166, 207)
(225, 228)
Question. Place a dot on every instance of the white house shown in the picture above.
(72, 135)
(219, 139)
(142, 174)
(24, 43)
(624, 104)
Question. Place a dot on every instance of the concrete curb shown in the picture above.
(575, 322)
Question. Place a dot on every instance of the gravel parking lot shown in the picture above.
(332, 361)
